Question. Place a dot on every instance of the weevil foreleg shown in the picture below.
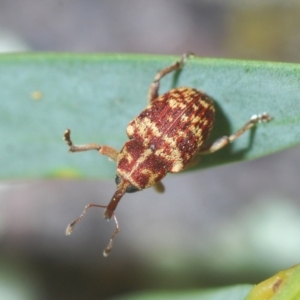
(154, 86)
(102, 149)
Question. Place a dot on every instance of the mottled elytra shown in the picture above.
(166, 137)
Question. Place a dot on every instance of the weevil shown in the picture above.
(166, 137)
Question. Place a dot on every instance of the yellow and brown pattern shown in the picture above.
(168, 133)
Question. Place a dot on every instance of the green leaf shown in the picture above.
(97, 95)
(238, 292)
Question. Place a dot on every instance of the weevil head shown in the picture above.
(137, 168)
(129, 188)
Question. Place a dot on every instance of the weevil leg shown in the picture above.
(225, 140)
(193, 162)
(108, 249)
(102, 149)
(154, 86)
(159, 187)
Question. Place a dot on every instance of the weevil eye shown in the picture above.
(131, 189)
(117, 179)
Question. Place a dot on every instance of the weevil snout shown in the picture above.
(123, 186)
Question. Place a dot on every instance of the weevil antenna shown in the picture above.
(107, 250)
(110, 244)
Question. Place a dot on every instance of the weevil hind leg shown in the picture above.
(225, 140)
(108, 249)
(102, 149)
(154, 86)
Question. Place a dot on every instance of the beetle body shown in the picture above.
(165, 136)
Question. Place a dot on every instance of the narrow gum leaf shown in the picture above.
(96, 95)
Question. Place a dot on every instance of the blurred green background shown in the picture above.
(233, 224)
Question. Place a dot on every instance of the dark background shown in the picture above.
(232, 224)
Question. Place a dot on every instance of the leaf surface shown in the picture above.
(96, 95)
